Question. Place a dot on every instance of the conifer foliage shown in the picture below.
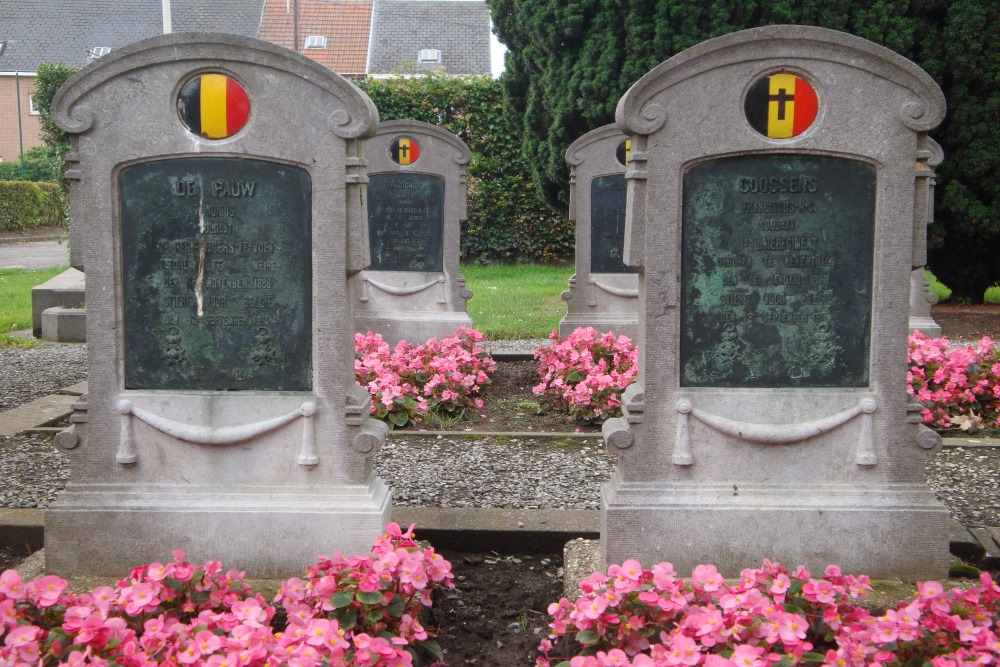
(569, 62)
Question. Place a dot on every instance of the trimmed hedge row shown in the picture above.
(27, 204)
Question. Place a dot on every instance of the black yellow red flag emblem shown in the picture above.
(404, 150)
(213, 105)
(781, 106)
(624, 151)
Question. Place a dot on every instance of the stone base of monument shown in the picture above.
(605, 301)
(621, 324)
(896, 531)
(926, 325)
(267, 532)
(413, 327)
(64, 325)
(67, 290)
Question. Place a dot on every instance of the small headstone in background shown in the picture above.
(772, 210)
(604, 291)
(412, 290)
(216, 189)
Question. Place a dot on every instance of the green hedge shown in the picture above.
(26, 204)
(40, 164)
(508, 222)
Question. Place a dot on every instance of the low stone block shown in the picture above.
(66, 290)
(64, 325)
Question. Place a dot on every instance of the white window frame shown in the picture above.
(32, 109)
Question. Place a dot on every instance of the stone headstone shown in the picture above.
(216, 187)
(771, 208)
(604, 291)
(412, 289)
(921, 297)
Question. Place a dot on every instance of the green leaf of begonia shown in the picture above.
(809, 658)
(396, 607)
(346, 619)
(432, 647)
(373, 617)
(588, 636)
(341, 599)
(369, 598)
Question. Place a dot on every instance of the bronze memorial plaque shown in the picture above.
(607, 224)
(217, 275)
(405, 221)
(776, 272)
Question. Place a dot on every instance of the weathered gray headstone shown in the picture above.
(921, 297)
(772, 210)
(604, 291)
(416, 203)
(217, 210)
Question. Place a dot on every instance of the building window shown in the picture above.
(32, 109)
(316, 42)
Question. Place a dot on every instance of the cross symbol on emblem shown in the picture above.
(781, 98)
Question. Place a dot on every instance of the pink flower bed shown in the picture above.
(633, 617)
(357, 610)
(959, 386)
(406, 382)
(585, 374)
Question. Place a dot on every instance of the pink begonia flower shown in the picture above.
(11, 585)
(707, 577)
(713, 660)
(47, 590)
(664, 576)
(613, 658)
(591, 608)
(780, 585)
(791, 628)
(745, 655)
(683, 651)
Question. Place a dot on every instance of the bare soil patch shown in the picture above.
(968, 322)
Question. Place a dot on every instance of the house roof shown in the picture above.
(459, 29)
(344, 23)
(38, 31)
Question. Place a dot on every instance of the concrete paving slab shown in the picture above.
(78, 389)
(40, 412)
(33, 255)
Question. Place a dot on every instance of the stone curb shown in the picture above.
(502, 530)
(29, 239)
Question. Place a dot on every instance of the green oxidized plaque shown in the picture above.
(776, 272)
(217, 275)
(405, 221)
(607, 224)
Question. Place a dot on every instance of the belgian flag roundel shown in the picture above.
(624, 151)
(213, 106)
(781, 105)
(404, 150)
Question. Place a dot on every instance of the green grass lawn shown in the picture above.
(516, 301)
(508, 301)
(15, 295)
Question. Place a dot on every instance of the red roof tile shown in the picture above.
(345, 24)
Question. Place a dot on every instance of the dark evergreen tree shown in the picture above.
(570, 61)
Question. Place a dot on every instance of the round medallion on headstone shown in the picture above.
(781, 105)
(404, 150)
(213, 106)
(623, 151)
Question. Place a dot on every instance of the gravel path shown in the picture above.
(459, 471)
